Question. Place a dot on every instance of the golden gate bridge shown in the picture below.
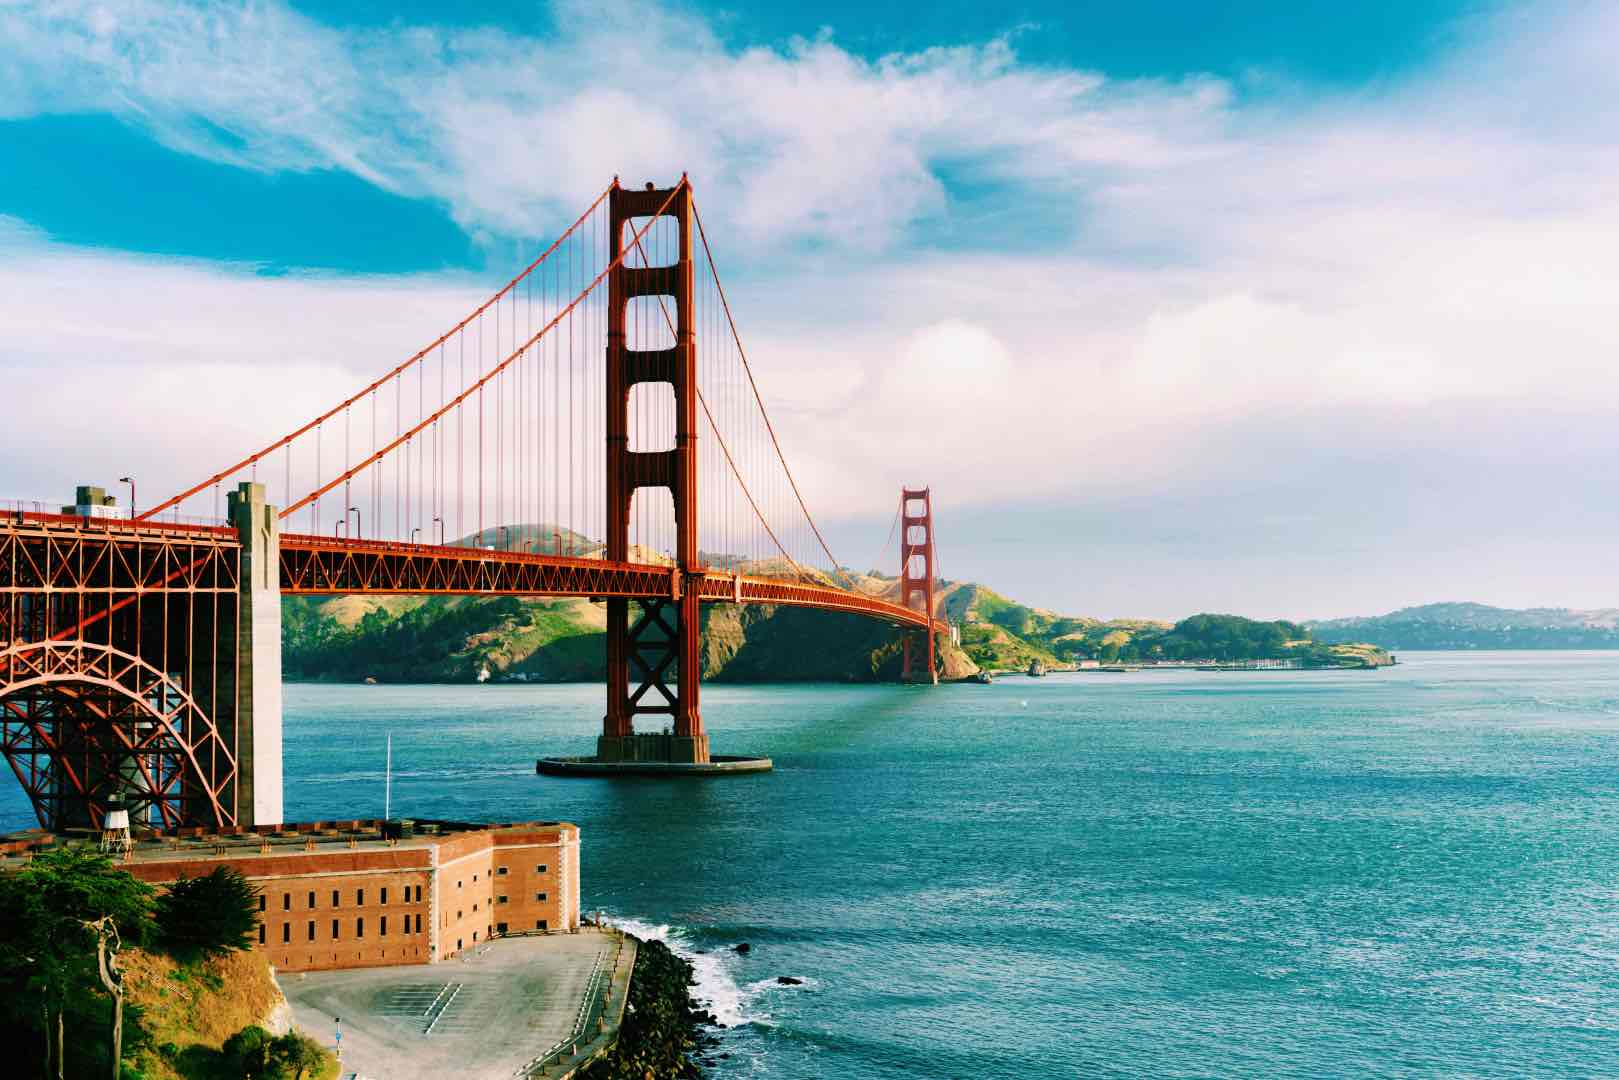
(559, 432)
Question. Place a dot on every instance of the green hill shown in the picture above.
(465, 639)
(1001, 635)
(475, 639)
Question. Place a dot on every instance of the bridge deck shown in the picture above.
(324, 565)
(337, 566)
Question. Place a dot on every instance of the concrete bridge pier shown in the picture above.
(258, 657)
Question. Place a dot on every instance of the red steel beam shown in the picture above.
(325, 565)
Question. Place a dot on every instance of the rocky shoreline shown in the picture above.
(664, 1033)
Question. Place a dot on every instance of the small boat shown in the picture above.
(983, 677)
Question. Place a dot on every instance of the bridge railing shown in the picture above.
(23, 510)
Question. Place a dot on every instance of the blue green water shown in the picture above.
(1411, 872)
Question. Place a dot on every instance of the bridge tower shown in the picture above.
(658, 652)
(916, 575)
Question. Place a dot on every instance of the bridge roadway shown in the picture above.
(110, 555)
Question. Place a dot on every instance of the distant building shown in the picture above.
(343, 895)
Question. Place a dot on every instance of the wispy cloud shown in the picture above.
(810, 142)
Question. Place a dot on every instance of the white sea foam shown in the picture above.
(717, 989)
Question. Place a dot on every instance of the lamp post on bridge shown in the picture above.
(337, 526)
(413, 533)
(359, 530)
(131, 482)
(440, 523)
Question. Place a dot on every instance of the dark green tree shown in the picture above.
(248, 1051)
(62, 919)
(296, 1056)
(209, 915)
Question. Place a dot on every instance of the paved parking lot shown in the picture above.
(482, 1016)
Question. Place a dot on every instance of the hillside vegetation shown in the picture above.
(476, 639)
(1000, 635)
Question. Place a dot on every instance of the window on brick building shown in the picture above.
(500, 899)
(261, 933)
(539, 896)
(418, 924)
(359, 928)
(474, 877)
(311, 899)
(311, 929)
(500, 928)
(418, 894)
(501, 870)
(286, 901)
(359, 897)
(382, 928)
(384, 899)
(334, 929)
(540, 869)
(539, 924)
(261, 901)
(457, 884)
(286, 932)
(335, 900)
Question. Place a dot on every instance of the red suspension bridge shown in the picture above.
(551, 443)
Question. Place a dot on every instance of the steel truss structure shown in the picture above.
(118, 667)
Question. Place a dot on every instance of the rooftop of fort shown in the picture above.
(318, 837)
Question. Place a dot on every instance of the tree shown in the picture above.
(295, 1055)
(58, 917)
(248, 1051)
(209, 915)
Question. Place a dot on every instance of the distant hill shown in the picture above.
(1479, 626)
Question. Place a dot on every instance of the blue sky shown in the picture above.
(97, 177)
(1204, 299)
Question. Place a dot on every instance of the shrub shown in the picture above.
(208, 915)
(295, 1055)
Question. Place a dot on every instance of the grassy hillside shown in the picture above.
(189, 1011)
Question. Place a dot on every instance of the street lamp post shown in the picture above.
(440, 523)
(131, 482)
(359, 531)
(413, 533)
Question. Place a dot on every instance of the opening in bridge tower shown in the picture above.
(653, 664)
(916, 576)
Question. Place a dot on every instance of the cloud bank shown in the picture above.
(1022, 283)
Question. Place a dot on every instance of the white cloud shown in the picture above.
(510, 131)
(1445, 244)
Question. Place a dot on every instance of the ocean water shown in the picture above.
(1410, 872)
